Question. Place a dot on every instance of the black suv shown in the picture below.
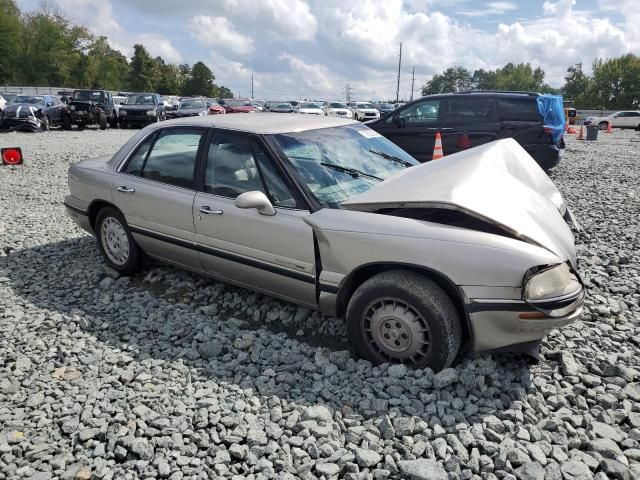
(468, 119)
(90, 107)
(142, 109)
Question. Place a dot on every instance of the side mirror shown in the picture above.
(257, 200)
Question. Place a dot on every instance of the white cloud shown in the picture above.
(218, 31)
(491, 8)
(157, 45)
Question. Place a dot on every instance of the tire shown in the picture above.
(603, 125)
(413, 310)
(117, 246)
(113, 122)
(102, 121)
(638, 128)
(66, 122)
(45, 123)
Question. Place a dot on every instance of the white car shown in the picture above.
(337, 109)
(3, 102)
(309, 108)
(364, 111)
(624, 119)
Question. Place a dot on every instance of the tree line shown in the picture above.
(44, 48)
(614, 83)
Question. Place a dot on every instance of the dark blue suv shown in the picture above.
(468, 119)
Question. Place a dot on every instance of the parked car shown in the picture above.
(364, 111)
(214, 108)
(191, 107)
(9, 96)
(469, 119)
(258, 105)
(234, 105)
(624, 119)
(385, 108)
(32, 113)
(171, 104)
(90, 107)
(3, 102)
(281, 107)
(326, 213)
(337, 109)
(118, 101)
(141, 109)
(310, 108)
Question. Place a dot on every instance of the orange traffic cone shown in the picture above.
(609, 127)
(463, 141)
(581, 134)
(437, 148)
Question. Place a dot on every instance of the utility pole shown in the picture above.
(413, 79)
(252, 86)
(347, 92)
(399, 64)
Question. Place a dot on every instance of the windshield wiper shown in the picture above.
(351, 171)
(393, 158)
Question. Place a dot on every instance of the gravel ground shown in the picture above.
(170, 375)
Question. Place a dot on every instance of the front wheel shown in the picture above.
(102, 121)
(116, 243)
(403, 317)
(66, 122)
(603, 125)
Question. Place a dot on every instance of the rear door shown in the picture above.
(413, 127)
(273, 254)
(473, 115)
(520, 120)
(155, 191)
(633, 120)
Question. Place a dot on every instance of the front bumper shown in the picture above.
(21, 124)
(500, 324)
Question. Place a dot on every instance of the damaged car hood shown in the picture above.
(497, 182)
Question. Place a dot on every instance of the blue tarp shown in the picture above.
(551, 108)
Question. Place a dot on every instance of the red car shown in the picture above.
(214, 108)
(233, 105)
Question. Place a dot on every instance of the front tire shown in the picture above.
(66, 122)
(102, 121)
(116, 243)
(403, 317)
(603, 125)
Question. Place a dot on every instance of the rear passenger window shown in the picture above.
(523, 109)
(171, 159)
(418, 113)
(468, 109)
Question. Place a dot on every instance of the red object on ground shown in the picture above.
(437, 148)
(11, 156)
(463, 141)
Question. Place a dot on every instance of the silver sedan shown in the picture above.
(472, 251)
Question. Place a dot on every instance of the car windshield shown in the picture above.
(29, 100)
(283, 105)
(88, 95)
(140, 99)
(364, 105)
(192, 104)
(337, 105)
(309, 105)
(339, 162)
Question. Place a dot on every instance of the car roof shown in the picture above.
(261, 123)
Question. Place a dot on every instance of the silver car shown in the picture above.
(473, 250)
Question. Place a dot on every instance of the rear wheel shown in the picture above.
(403, 317)
(117, 246)
(102, 121)
(603, 125)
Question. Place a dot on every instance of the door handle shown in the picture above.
(124, 189)
(207, 211)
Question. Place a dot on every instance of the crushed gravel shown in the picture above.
(171, 375)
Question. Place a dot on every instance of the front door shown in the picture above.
(273, 254)
(413, 128)
(155, 191)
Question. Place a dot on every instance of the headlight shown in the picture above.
(72, 107)
(151, 113)
(551, 283)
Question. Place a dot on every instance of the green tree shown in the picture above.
(484, 79)
(616, 83)
(577, 87)
(143, 73)
(200, 81)
(10, 32)
(105, 67)
(521, 76)
(224, 92)
(453, 79)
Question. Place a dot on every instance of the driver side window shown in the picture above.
(425, 112)
(236, 165)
